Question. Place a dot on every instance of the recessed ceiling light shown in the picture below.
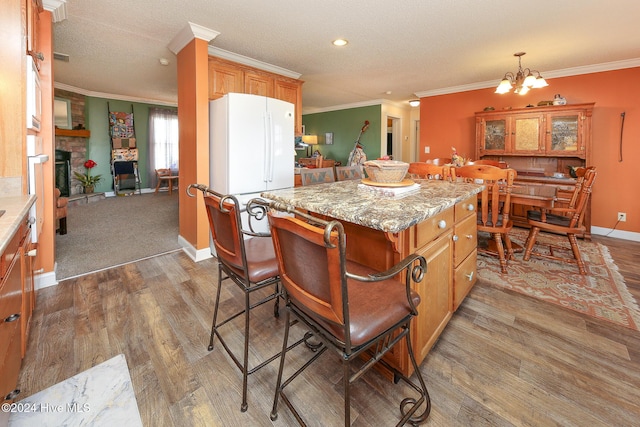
(340, 42)
(164, 61)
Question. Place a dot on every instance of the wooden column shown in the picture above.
(193, 119)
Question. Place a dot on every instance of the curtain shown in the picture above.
(163, 142)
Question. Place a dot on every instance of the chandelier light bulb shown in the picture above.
(522, 80)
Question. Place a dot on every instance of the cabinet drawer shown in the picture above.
(464, 277)
(429, 229)
(465, 239)
(465, 208)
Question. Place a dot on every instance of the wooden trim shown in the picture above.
(83, 133)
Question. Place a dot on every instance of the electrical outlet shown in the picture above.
(427, 150)
(622, 216)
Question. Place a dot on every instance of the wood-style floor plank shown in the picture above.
(504, 360)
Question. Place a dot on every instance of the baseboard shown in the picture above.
(196, 255)
(44, 280)
(618, 234)
(142, 190)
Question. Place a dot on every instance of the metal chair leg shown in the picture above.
(274, 409)
(215, 309)
(424, 392)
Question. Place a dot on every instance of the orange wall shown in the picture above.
(448, 120)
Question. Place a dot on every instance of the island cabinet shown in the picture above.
(228, 76)
(381, 231)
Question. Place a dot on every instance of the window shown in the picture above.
(163, 139)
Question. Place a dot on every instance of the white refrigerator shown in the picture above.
(251, 145)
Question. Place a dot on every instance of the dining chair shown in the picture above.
(440, 161)
(317, 176)
(247, 258)
(431, 171)
(167, 177)
(495, 206)
(352, 309)
(563, 220)
(344, 173)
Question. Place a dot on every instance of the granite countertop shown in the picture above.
(16, 208)
(346, 201)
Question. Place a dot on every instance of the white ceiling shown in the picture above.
(396, 49)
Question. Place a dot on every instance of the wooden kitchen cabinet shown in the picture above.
(228, 76)
(258, 84)
(34, 7)
(223, 79)
(12, 314)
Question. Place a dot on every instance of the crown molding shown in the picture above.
(352, 105)
(241, 59)
(565, 72)
(93, 94)
(189, 32)
(58, 9)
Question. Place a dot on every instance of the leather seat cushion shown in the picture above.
(374, 307)
(261, 260)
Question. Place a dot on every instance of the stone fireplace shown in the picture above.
(74, 141)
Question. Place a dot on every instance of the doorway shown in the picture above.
(393, 147)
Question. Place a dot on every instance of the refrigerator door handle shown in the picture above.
(269, 147)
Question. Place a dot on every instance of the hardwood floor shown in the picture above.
(505, 359)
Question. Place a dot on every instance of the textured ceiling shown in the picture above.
(395, 50)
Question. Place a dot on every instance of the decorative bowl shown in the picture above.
(387, 171)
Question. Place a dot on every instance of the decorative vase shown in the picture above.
(88, 189)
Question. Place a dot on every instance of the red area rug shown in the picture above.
(601, 294)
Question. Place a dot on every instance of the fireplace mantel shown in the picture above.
(82, 133)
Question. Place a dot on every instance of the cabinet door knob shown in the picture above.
(455, 237)
(469, 236)
(469, 276)
(12, 318)
(470, 207)
(12, 395)
(442, 224)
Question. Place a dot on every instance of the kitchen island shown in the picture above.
(436, 221)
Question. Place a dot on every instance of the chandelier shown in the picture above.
(523, 80)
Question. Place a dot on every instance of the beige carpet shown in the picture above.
(116, 231)
(601, 294)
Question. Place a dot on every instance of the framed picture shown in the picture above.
(328, 138)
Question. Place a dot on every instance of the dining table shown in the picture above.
(538, 196)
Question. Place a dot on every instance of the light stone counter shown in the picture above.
(16, 208)
(344, 201)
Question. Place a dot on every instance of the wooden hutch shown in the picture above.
(541, 143)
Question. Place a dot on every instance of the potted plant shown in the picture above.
(88, 181)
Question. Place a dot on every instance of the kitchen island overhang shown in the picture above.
(383, 230)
